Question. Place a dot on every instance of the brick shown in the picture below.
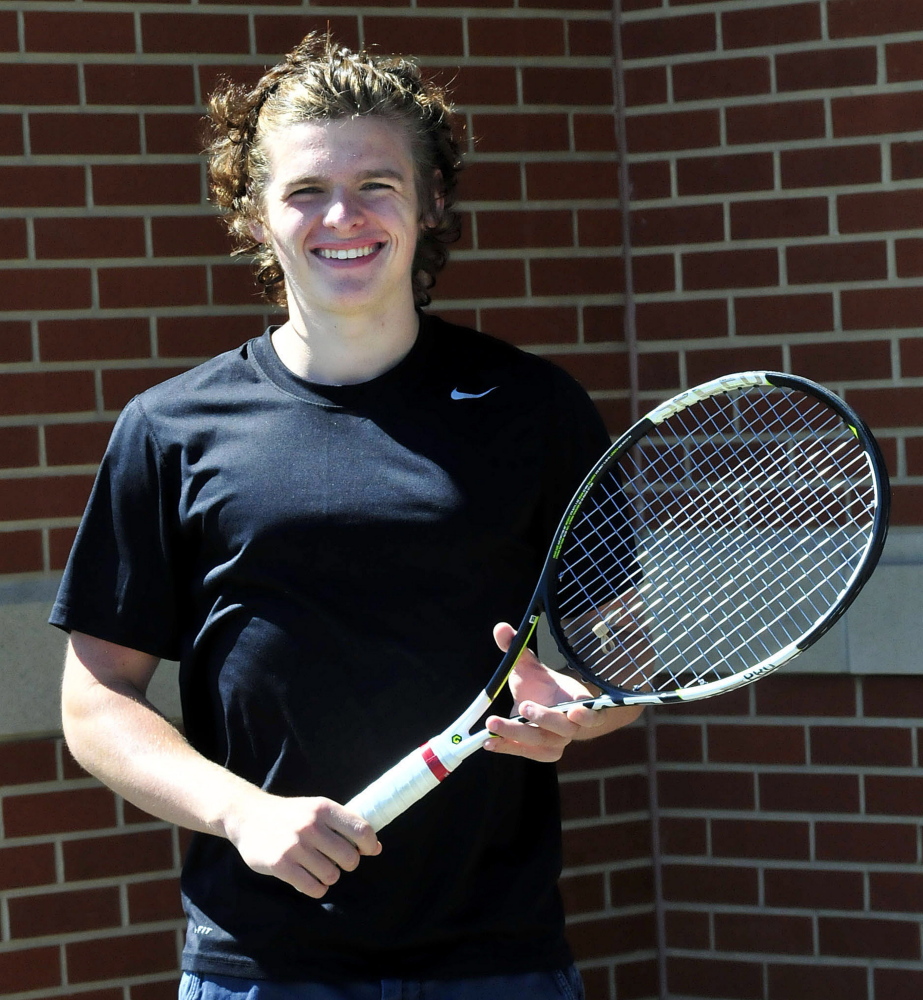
(782, 121)
(143, 287)
(44, 186)
(908, 255)
(687, 929)
(895, 891)
(46, 392)
(85, 134)
(84, 32)
(764, 932)
(562, 85)
(882, 308)
(27, 761)
(745, 29)
(725, 174)
(583, 893)
(431, 36)
(906, 504)
(683, 835)
(277, 33)
(855, 18)
(830, 167)
(11, 139)
(216, 33)
(898, 984)
(902, 61)
(596, 275)
(806, 695)
(13, 245)
(589, 38)
(880, 210)
(203, 336)
(18, 447)
(154, 900)
(850, 936)
(35, 814)
(811, 793)
(755, 744)
(480, 85)
(879, 843)
(893, 795)
(580, 799)
(634, 979)
(594, 133)
(759, 838)
(632, 887)
(688, 319)
(523, 36)
(732, 704)
(30, 969)
(38, 84)
(626, 793)
(521, 132)
(76, 444)
(594, 371)
(713, 977)
(60, 542)
(29, 865)
(876, 113)
(117, 957)
(711, 789)
(807, 982)
(88, 238)
(525, 229)
(825, 263)
(810, 889)
(914, 451)
(673, 130)
(44, 497)
(143, 184)
(730, 269)
(721, 78)
(120, 385)
(93, 340)
(897, 697)
(603, 323)
(912, 357)
(15, 341)
(64, 912)
(895, 407)
(21, 552)
(861, 746)
(779, 218)
(669, 36)
(659, 371)
(9, 31)
(492, 182)
(173, 133)
(837, 362)
(596, 844)
(587, 180)
(532, 324)
(653, 274)
(827, 68)
(680, 743)
(714, 885)
(620, 934)
(645, 85)
(49, 288)
(146, 852)
(672, 225)
(906, 160)
(140, 85)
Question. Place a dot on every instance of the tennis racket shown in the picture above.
(718, 538)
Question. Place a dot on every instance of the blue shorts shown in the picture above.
(562, 984)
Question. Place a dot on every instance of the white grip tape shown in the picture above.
(396, 790)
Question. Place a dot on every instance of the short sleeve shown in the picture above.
(120, 580)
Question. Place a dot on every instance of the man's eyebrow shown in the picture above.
(363, 175)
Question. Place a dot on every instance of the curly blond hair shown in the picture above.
(319, 81)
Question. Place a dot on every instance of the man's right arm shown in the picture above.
(119, 736)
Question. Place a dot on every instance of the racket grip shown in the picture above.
(409, 780)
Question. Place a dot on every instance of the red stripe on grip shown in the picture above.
(434, 763)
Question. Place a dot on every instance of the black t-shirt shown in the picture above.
(327, 563)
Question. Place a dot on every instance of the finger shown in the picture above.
(356, 829)
(511, 736)
(504, 633)
(302, 880)
(549, 719)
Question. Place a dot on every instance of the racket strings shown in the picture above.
(743, 509)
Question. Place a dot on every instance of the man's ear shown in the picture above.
(256, 230)
(431, 219)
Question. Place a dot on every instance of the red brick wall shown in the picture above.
(774, 159)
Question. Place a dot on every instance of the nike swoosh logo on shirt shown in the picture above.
(458, 394)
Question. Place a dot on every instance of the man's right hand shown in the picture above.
(306, 842)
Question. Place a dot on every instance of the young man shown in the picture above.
(323, 526)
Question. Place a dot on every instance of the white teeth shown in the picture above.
(350, 254)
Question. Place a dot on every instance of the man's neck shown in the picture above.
(343, 350)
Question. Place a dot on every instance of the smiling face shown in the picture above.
(341, 211)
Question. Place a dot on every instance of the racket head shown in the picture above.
(719, 537)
